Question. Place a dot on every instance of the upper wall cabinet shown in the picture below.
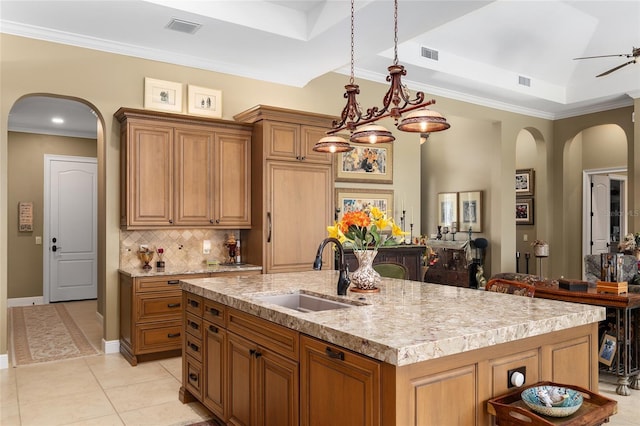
(183, 171)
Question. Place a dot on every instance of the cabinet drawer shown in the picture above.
(214, 312)
(162, 336)
(193, 325)
(193, 347)
(281, 340)
(193, 377)
(193, 303)
(157, 284)
(154, 307)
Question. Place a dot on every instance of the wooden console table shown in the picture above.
(625, 309)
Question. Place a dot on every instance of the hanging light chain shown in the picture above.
(352, 44)
(395, 32)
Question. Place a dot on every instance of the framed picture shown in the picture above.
(368, 164)
(470, 211)
(354, 199)
(525, 180)
(607, 349)
(447, 208)
(524, 211)
(162, 95)
(202, 101)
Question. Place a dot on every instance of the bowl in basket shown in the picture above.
(554, 401)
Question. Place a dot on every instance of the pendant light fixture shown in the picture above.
(396, 102)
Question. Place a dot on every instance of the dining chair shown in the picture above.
(499, 285)
(392, 270)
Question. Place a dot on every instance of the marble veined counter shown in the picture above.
(407, 321)
(153, 272)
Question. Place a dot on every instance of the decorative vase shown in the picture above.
(365, 278)
(541, 250)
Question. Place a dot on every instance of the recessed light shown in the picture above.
(57, 120)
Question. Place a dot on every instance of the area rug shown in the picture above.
(43, 333)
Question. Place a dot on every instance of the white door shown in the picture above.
(70, 228)
(600, 218)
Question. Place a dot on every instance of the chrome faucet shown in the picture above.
(343, 279)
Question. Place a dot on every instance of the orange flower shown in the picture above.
(358, 218)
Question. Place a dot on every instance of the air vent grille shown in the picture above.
(524, 81)
(429, 53)
(183, 26)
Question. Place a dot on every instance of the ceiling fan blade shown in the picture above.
(604, 56)
(616, 68)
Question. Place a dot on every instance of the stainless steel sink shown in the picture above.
(304, 302)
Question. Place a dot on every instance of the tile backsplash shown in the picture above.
(182, 247)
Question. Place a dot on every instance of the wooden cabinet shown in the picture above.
(292, 189)
(150, 315)
(450, 264)
(408, 255)
(331, 376)
(184, 171)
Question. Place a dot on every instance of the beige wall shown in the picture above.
(26, 182)
(527, 158)
(477, 153)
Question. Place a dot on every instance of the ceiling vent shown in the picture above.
(429, 53)
(183, 26)
(524, 81)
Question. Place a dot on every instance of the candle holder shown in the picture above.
(402, 219)
(454, 230)
(411, 234)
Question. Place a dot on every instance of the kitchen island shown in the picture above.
(414, 353)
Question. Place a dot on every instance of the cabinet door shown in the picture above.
(241, 373)
(232, 183)
(150, 171)
(309, 136)
(277, 389)
(300, 207)
(193, 157)
(216, 369)
(327, 374)
(282, 140)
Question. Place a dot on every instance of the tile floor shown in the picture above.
(104, 390)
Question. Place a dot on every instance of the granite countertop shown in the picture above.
(407, 321)
(153, 272)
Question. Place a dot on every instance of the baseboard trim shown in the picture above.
(4, 361)
(111, 346)
(25, 301)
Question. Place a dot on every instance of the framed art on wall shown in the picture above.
(525, 181)
(524, 211)
(203, 101)
(354, 199)
(607, 349)
(162, 95)
(447, 208)
(367, 164)
(470, 211)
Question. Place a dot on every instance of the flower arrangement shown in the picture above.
(362, 229)
(629, 243)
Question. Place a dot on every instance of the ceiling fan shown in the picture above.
(635, 52)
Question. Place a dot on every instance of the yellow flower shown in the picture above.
(396, 231)
(335, 232)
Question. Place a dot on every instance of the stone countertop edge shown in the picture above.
(406, 322)
(139, 272)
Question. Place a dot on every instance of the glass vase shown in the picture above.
(365, 278)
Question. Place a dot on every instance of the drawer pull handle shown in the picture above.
(214, 311)
(173, 305)
(213, 329)
(194, 325)
(335, 355)
(173, 282)
(173, 335)
(194, 303)
(193, 377)
(194, 347)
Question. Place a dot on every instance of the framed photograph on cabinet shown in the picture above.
(202, 101)
(524, 211)
(447, 208)
(366, 164)
(162, 95)
(470, 211)
(607, 349)
(354, 199)
(525, 181)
